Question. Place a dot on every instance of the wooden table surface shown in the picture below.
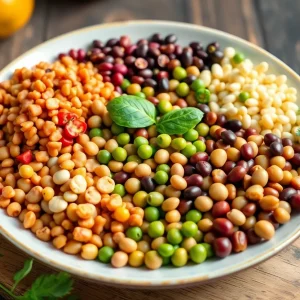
(272, 24)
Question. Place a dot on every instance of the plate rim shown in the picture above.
(144, 283)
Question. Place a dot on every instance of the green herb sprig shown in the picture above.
(135, 112)
(52, 286)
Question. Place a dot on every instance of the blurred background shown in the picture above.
(271, 24)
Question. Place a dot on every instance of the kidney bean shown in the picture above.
(249, 209)
(184, 206)
(296, 160)
(210, 146)
(121, 177)
(189, 170)
(287, 193)
(252, 237)
(244, 164)
(204, 108)
(217, 133)
(287, 142)
(222, 246)
(194, 180)
(210, 118)
(269, 138)
(236, 174)
(247, 152)
(229, 165)
(163, 85)
(204, 168)
(220, 209)
(249, 132)
(234, 125)
(199, 156)
(192, 192)
(221, 120)
(288, 166)
(239, 241)
(148, 184)
(276, 148)
(295, 201)
(223, 226)
(228, 137)
(271, 191)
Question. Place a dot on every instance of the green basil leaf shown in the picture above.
(132, 111)
(23, 272)
(179, 121)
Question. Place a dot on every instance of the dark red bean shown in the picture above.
(141, 132)
(244, 164)
(276, 148)
(296, 160)
(236, 174)
(249, 209)
(286, 194)
(170, 39)
(196, 46)
(141, 50)
(150, 82)
(106, 78)
(295, 201)
(129, 60)
(210, 146)
(229, 165)
(250, 163)
(268, 216)
(153, 100)
(217, 56)
(222, 246)
(204, 168)
(142, 42)
(141, 63)
(98, 44)
(189, 170)
(220, 209)
(198, 62)
(239, 241)
(118, 89)
(249, 132)
(148, 184)
(210, 118)
(137, 79)
(112, 42)
(192, 192)
(202, 54)
(269, 138)
(181, 103)
(167, 49)
(107, 50)
(288, 166)
(105, 66)
(228, 137)
(223, 226)
(204, 108)
(146, 73)
(221, 145)
(221, 120)
(190, 79)
(184, 206)
(117, 79)
(199, 156)
(157, 38)
(218, 132)
(194, 180)
(252, 237)
(130, 49)
(163, 85)
(73, 53)
(173, 64)
(240, 133)
(81, 55)
(153, 51)
(121, 177)
(162, 74)
(247, 152)
(163, 60)
(186, 58)
(234, 125)
(287, 142)
(117, 51)
(125, 41)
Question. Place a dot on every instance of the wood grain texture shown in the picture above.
(263, 22)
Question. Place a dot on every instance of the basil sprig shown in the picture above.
(136, 112)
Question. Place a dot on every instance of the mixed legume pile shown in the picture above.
(149, 153)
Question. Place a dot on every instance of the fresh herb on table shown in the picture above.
(52, 286)
(135, 112)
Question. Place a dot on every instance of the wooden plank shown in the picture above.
(29, 36)
(233, 16)
(84, 13)
(276, 279)
(281, 23)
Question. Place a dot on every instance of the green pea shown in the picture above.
(180, 257)
(140, 199)
(145, 151)
(123, 139)
(119, 154)
(197, 85)
(189, 229)
(165, 250)
(202, 95)
(151, 214)
(209, 250)
(200, 146)
(161, 177)
(198, 254)
(119, 189)
(178, 144)
(202, 129)
(193, 215)
(164, 106)
(179, 73)
(134, 158)
(164, 140)
(116, 129)
(139, 141)
(105, 254)
(189, 150)
(243, 96)
(103, 157)
(182, 89)
(155, 199)
(134, 233)
(198, 236)
(238, 58)
(174, 236)
(163, 167)
(156, 229)
(125, 84)
(191, 135)
(141, 95)
(95, 132)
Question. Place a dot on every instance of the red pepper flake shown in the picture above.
(25, 158)
(64, 118)
(66, 142)
(73, 128)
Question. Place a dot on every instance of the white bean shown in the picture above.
(57, 204)
(70, 196)
(78, 184)
(60, 177)
(217, 71)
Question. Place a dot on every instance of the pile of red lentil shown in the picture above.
(135, 196)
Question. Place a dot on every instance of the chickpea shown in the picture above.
(136, 258)
(105, 185)
(143, 246)
(178, 158)
(128, 245)
(90, 148)
(203, 203)
(153, 260)
(218, 157)
(78, 184)
(177, 169)
(178, 182)
(260, 177)
(59, 241)
(255, 192)
(264, 229)
(285, 205)
(172, 216)
(142, 170)
(269, 203)
(92, 195)
(157, 242)
(119, 259)
(275, 173)
(43, 234)
(57, 204)
(236, 217)
(170, 204)
(72, 247)
(14, 209)
(281, 215)
(218, 192)
(89, 251)
(8, 192)
(61, 177)
(162, 156)
(132, 185)
(188, 243)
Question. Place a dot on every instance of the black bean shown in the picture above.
(204, 108)
(186, 59)
(276, 148)
(296, 160)
(296, 148)
(202, 54)
(212, 47)
(98, 44)
(192, 192)
(228, 137)
(189, 170)
(142, 50)
(148, 184)
(269, 138)
(198, 62)
(163, 85)
(146, 73)
(129, 60)
(157, 38)
(204, 168)
(234, 125)
(196, 46)
(287, 142)
(151, 62)
(171, 39)
(154, 52)
(189, 79)
(112, 42)
(287, 193)
(178, 50)
(150, 82)
(217, 56)
(221, 120)
(121, 177)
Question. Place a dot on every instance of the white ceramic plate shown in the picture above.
(166, 276)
